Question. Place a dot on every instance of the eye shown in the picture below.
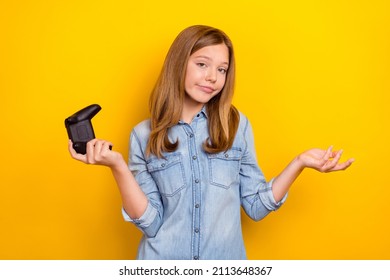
(222, 70)
(201, 64)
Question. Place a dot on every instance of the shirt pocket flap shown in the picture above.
(232, 154)
(163, 163)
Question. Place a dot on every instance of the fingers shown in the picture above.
(328, 154)
(331, 164)
(331, 161)
(323, 162)
(97, 151)
(343, 165)
(334, 165)
(106, 147)
(74, 154)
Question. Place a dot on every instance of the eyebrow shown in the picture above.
(208, 58)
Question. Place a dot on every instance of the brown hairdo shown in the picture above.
(166, 100)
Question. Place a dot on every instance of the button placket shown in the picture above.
(196, 188)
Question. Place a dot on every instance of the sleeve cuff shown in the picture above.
(145, 220)
(268, 199)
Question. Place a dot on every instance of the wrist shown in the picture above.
(299, 162)
(119, 165)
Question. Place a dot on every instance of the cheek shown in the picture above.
(187, 78)
(187, 81)
(189, 74)
(192, 76)
(222, 81)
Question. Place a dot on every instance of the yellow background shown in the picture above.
(310, 74)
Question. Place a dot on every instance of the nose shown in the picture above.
(211, 76)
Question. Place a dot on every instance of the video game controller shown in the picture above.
(79, 127)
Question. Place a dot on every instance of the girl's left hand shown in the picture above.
(324, 160)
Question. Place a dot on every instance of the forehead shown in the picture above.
(215, 53)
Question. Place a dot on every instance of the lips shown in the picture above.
(206, 89)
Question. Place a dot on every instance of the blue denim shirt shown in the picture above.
(195, 197)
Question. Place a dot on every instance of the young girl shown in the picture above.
(192, 165)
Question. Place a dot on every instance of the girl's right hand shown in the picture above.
(98, 152)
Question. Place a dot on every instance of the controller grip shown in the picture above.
(79, 127)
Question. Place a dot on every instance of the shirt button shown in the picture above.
(162, 164)
(226, 155)
(197, 230)
(197, 181)
(196, 205)
(191, 135)
(196, 258)
(194, 157)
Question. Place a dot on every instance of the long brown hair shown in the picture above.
(166, 100)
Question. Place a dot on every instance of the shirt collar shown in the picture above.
(203, 112)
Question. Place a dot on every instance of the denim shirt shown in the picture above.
(194, 198)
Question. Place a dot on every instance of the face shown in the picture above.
(206, 74)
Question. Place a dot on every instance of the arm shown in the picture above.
(317, 159)
(260, 197)
(257, 196)
(134, 200)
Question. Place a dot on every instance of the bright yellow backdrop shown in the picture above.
(310, 74)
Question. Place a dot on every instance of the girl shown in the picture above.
(193, 164)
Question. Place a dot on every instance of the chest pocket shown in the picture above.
(168, 173)
(224, 168)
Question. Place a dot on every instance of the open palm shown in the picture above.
(324, 160)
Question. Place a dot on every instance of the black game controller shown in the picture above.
(80, 129)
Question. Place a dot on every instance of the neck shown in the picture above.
(187, 116)
(190, 109)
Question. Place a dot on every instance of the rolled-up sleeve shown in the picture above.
(256, 193)
(151, 220)
(147, 223)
